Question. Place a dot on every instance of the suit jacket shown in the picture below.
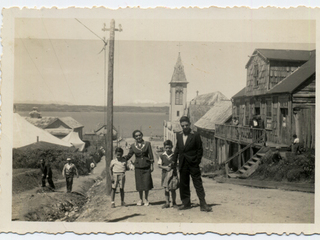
(191, 152)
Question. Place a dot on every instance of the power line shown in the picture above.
(58, 60)
(90, 30)
(35, 66)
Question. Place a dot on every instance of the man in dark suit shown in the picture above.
(189, 151)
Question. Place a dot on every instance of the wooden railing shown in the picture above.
(241, 134)
(256, 140)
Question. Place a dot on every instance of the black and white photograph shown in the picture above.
(154, 117)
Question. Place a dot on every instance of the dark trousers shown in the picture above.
(69, 181)
(51, 184)
(185, 172)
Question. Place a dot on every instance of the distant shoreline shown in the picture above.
(24, 107)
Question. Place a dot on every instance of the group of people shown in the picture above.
(68, 172)
(185, 158)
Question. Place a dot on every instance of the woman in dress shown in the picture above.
(143, 165)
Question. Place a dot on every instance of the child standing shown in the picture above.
(165, 163)
(69, 170)
(118, 167)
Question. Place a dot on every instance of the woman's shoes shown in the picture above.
(113, 205)
(146, 203)
(139, 203)
(167, 205)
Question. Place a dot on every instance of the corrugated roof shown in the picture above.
(281, 54)
(178, 72)
(290, 83)
(72, 123)
(241, 93)
(41, 122)
(208, 99)
(218, 114)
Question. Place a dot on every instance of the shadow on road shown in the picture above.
(158, 203)
(123, 218)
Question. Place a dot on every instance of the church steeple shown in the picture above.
(178, 73)
(178, 91)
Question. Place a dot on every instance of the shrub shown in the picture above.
(28, 158)
(294, 174)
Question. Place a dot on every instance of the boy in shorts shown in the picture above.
(118, 168)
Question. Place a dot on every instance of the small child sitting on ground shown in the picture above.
(169, 174)
(118, 167)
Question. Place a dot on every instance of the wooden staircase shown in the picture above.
(249, 167)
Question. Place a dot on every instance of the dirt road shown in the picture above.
(230, 203)
(39, 205)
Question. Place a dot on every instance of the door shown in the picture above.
(284, 126)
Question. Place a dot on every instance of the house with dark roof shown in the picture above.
(280, 92)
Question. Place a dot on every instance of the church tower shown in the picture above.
(178, 92)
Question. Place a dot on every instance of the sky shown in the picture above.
(59, 60)
(168, 3)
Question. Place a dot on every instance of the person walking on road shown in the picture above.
(189, 151)
(69, 170)
(46, 174)
(118, 167)
(143, 165)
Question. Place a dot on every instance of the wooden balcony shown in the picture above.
(240, 134)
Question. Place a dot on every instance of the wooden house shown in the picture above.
(201, 104)
(280, 89)
(220, 113)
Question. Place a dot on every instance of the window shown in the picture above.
(179, 97)
(255, 74)
(247, 113)
(284, 115)
(269, 114)
(178, 113)
(275, 112)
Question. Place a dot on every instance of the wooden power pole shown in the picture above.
(109, 135)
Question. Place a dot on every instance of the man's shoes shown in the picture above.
(123, 203)
(113, 205)
(184, 207)
(205, 208)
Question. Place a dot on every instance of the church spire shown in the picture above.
(178, 73)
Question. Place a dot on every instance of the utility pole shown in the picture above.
(109, 135)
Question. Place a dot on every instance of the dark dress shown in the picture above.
(142, 163)
(166, 161)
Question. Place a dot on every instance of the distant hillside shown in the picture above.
(85, 108)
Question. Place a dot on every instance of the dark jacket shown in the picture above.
(144, 155)
(191, 152)
(46, 169)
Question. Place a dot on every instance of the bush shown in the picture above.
(28, 158)
(292, 168)
(294, 174)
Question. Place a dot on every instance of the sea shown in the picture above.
(151, 124)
